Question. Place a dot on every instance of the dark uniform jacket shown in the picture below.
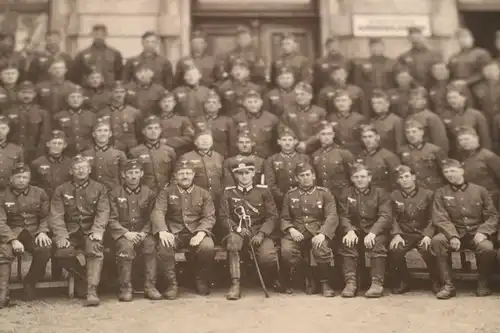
(390, 128)
(263, 129)
(223, 132)
(158, 161)
(326, 99)
(420, 61)
(437, 97)
(464, 210)
(278, 100)
(314, 211)
(298, 63)
(125, 124)
(48, 172)
(487, 96)
(177, 209)
(400, 101)
(347, 130)
(232, 93)
(144, 97)
(78, 129)
(177, 132)
(190, 100)
(8, 97)
(305, 123)
(434, 129)
(206, 64)
(161, 66)
(332, 168)
(323, 68)
(376, 72)
(10, 155)
(97, 98)
(130, 210)
(39, 67)
(252, 55)
(52, 95)
(208, 170)
(107, 164)
(482, 167)
(425, 161)
(496, 134)
(74, 207)
(412, 212)
(453, 120)
(467, 64)
(382, 163)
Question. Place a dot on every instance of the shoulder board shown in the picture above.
(292, 189)
(261, 186)
(322, 188)
(230, 187)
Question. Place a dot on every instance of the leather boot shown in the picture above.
(150, 291)
(286, 273)
(94, 267)
(430, 262)
(72, 266)
(378, 274)
(485, 262)
(272, 278)
(35, 273)
(324, 277)
(172, 291)
(234, 292)
(349, 269)
(124, 266)
(233, 259)
(448, 290)
(4, 285)
(202, 287)
(310, 281)
(400, 273)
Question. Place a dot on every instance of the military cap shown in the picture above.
(252, 93)
(4, 120)
(100, 122)
(459, 88)
(402, 169)
(148, 34)
(286, 131)
(379, 93)
(245, 163)
(198, 34)
(75, 89)
(57, 134)
(118, 85)
(183, 165)
(419, 91)
(465, 130)
(303, 167)
(357, 166)
(375, 40)
(244, 133)
(132, 164)
(414, 30)
(368, 128)
(100, 27)
(331, 39)
(78, 159)
(212, 94)
(20, 168)
(150, 121)
(240, 62)
(167, 94)
(202, 131)
(9, 65)
(341, 93)
(336, 67)
(400, 69)
(285, 70)
(304, 86)
(242, 29)
(27, 85)
(325, 124)
(450, 163)
(413, 123)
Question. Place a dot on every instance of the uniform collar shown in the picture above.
(417, 146)
(187, 190)
(254, 115)
(328, 148)
(460, 188)
(212, 116)
(365, 192)
(382, 116)
(142, 85)
(167, 114)
(101, 148)
(81, 186)
(412, 194)
(372, 152)
(3, 144)
(304, 109)
(53, 159)
(26, 107)
(245, 190)
(344, 115)
(79, 111)
(148, 55)
(18, 193)
(291, 155)
(208, 153)
(152, 145)
(469, 153)
(129, 190)
(309, 191)
(116, 108)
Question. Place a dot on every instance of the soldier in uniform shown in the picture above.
(323, 66)
(106, 162)
(97, 94)
(487, 91)
(9, 76)
(233, 90)
(389, 126)
(282, 97)
(157, 158)
(53, 92)
(161, 66)
(365, 215)
(291, 58)
(123, 118)
(347, 123)
(309, 221)
(424, 158)
(465, 217)
(381, 162)
(24, 211)
(420, 58)
(279, 168)
(199, 58)
(304, 118)
(184, 217)
(142, 92)
(30, 124)
(258, 203)
(331, 162)
(79, 213)
(98, 56)
(130, 227)
(10, 153)
(52, 169)
(262, 125)
(466, 65)
(437, 91)
(9, 55)
(400, 95)
(76, 122)
(412, 228)
(191, 95)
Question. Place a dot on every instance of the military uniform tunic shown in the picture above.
(252, 56)
(420, 61)
(263, 129)
(125, 124)
(145, 97)
(208, 170)
(77, 125)
(434, 129)
(482, 167)
(97, 98)
(373, 73)
(332, 168)
(39, 67)
(425, 160)
(10, 155)
(8, 97)
(223, 132)
(299, 64)
(49, 172)
(107, 164)
(232, 94)
(467, 64)
(191, 100)
(412, 213)
(52, 95)
(279, 100)
(487, 95)
(176, 132)
(323, 68)
(161, 66)
(101, 58)
(305, 123)
(382, 163)
(347, 130)
(390, 128)
(207, 64)
(326, 99)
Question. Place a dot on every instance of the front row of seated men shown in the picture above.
(363, 218)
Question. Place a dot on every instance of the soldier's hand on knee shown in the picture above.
(235, 242)
(350, 239)
(17, 246)
(370, 240)
(142, 236)
(396, 241)
(166, 239)
(318, 240)
(63, 243)
(43, 240)
(95, 236)
(257, 239)
(196, 240)
(132, 237)
(296, 235)
(245, 233)
(455, 243)
(425, 242)
(479, 237)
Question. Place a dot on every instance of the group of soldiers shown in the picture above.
(376, 156)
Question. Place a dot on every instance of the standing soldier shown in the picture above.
(424, 158)
(161, 66)
(157, 158)
(437, 91)
(123, 118)
(99, 56)
(10, 153)
(330, 162)
(52, 169)
(30, 124)
(466, 65)
(183, 218)
(465, 217)
(388, 125)
(262, 125)
(9, 55)
(420, 58)
(304, 118)
(52, 93)
(381, 162)
(487, 91)
(257, 202)
(323, 66)
(200, 59)
(365, 214)
(191, 95)
(9, 76)
(400, 95)
(142, 92)
(79, 213)
(247, 51)
(279, 169)
(282, 97)
(130, 226)
(309, 221)
(291, 58)
(97, 95)
(376, 72)
(106, 162)
(76, 122)
(412, 228)
(24, 211)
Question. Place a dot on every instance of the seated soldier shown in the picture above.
(365, 217)
(130, 227)
(79, 213)
(24, 211)
(465, 218)
(309, 220)
(257, 202)
(412, 228)
(183, 218)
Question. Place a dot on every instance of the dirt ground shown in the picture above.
(414, 312)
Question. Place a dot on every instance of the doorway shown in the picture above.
(483, 25)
